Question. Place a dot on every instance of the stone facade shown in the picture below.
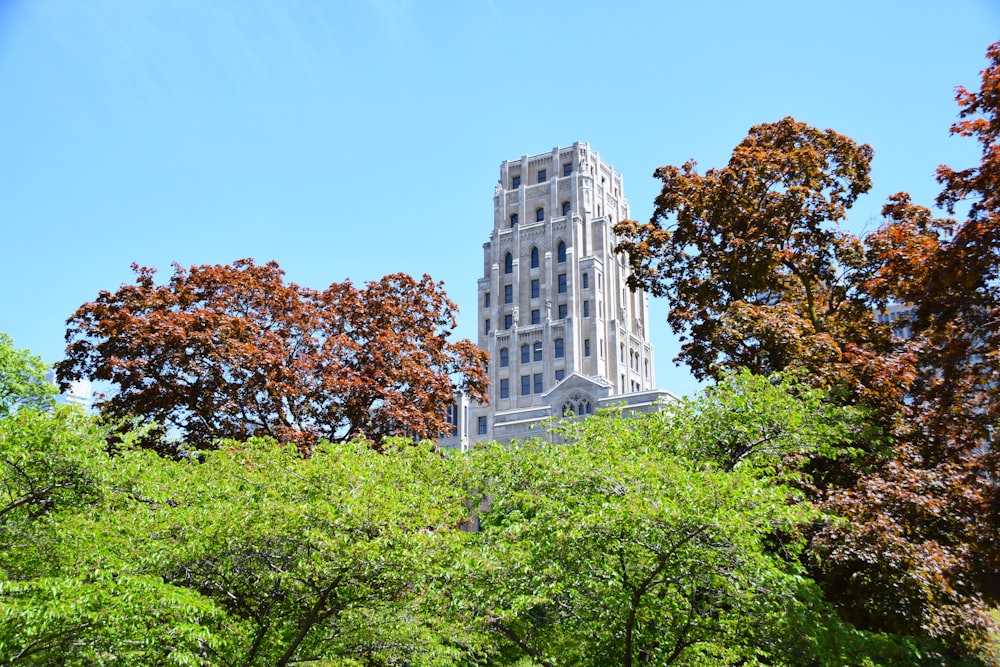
(563, 330)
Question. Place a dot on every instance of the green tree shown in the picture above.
(664, 539)
(22, 379)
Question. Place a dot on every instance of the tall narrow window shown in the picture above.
(561, 252)
(534, 258)
(525, 385)
(536, 316)
(560, 350)
(535, 288)
(563, 311)
(504, 388)
(508, 263)
(515, 182)
(585, 278)
(525, 354)
(537, 349)
(513, 219)
(508, 293)
(562, 283)
(504, 357)
(541, 175)
(586, 309)
(482, 426)
(539, 214)
(565, 208)
(538, 383)
(486, 300)
(508, 321)
(486, 324)
(586, 347)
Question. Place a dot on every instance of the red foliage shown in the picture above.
(234, 351)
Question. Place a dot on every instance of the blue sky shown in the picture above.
(357, 138)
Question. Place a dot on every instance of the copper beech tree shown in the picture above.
(758, 274)
(234, 351)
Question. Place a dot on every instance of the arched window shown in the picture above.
(508, 263)
(539, 214)
(565, 208)
(577, 405)
(534, 258)
(513, 219)
(561, 252)
(504, 357)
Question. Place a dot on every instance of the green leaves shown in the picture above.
(22, 379)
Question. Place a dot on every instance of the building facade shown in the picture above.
(564, 332)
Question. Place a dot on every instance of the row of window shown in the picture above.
(530, 384)
(543, 174)
(533, 352)
(535, 258)
(540, 214)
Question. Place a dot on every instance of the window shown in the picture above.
(586, 309)
(504, 357)
(534, 258)
(539, 214)
(536, 316)
(508, 321)
(561, 252)
(567, 169)
(563, 311)
(646, 365)
(508, 263)
(538, 383)
(525, 385)
(621, 354)
(586, 280)
(513, 219)
(505, 388)
(562, 283)
(525, 354)
(482, 426)
(535, 287)
(541, 175)
(586, 347)
(565, 208)
(560, 374)
(486, 300)
(515, 182)
(487, 325)
(537, 349)
(508, 293)
(560, 348)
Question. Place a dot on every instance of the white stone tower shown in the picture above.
(563, 330)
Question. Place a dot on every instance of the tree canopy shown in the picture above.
(758, 274)
(234, 352)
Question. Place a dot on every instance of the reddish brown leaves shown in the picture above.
(234, 351)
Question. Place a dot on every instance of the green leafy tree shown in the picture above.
(22, 379)
(664, 539)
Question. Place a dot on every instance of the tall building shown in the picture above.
(564, 332)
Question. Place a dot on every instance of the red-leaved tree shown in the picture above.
(234, 351)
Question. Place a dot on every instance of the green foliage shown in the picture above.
(22, 379)
(668, 538)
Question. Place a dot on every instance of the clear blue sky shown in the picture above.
(355, 138)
